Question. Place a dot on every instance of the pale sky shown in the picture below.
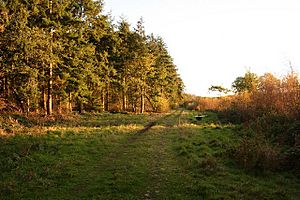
(214, 41)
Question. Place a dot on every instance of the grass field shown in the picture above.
(122, 156)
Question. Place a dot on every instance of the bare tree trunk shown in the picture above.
(50, 83)
(142, 100)
(44, 101)
(49, 95)
(44, 95)
(124, 107)
(151, 104)
(134, 107)
(28, 106)
(124, 97)
(107, 97)
(103, 101)
(70, 102)
(6, 92)
(80, 106)
(59, 105)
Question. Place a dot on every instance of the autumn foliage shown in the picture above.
(268, 108)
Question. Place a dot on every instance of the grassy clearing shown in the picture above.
(207, 158)
(95, 157)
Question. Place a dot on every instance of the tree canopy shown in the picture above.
(248, 82)
(57, 56)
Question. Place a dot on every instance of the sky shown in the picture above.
(214, 41)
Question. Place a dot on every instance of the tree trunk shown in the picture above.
(49, 96)
(142, 101)
(124, 107)
(70, 103)
(6, 92)
(44, 101)
(59, 105)
(107, 97)
(80, 107)
(124, 97)
(150, 102)
(134, 107)
(28, 107)
(103, 101)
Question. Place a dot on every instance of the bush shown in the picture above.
(278, 129)
(162, 105)
(291, 159)
(209, 165)
(231, 115)
(293, 134)
(257, 154)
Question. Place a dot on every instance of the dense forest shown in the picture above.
(61, 56)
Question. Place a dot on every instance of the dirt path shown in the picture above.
(148, 156)
(165, 173)
(142, 165)
(153, 123)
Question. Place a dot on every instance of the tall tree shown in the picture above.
(248, 82)
(59, 54)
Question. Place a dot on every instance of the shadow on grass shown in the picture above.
(177, 158)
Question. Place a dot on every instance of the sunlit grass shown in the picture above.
(103, 157)
(205, 150)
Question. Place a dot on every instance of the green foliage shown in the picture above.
(248, 82)
(267, 109)
(162, 105)
(291, 159)
(103, 157)
(68, 54)
(256, 154)
(220, 89)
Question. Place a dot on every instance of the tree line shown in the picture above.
(61, 55)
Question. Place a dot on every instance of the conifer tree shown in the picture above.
(59, 54)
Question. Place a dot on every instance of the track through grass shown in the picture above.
(162, 156)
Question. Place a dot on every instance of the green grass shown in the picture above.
(100, 156)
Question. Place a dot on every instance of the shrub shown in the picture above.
(209, 164)
(162, 105)
(292, 137)
(291, 159)
(257, 154)
(232, 116)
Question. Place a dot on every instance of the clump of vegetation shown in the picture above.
(9, 125)
(209, 165)
(226, 165)
(257, 154)
(268, 110)
(291, 159)
(162, 105)
(192, 102)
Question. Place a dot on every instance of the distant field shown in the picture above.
(124, 156)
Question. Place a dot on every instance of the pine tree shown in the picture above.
(57, 54)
